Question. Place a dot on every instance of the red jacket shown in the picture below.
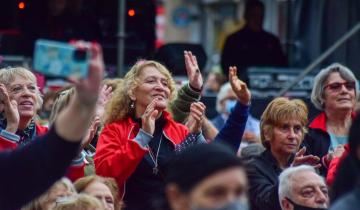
(317, 140)
(75, 171)
(118, 154)
(334, 166)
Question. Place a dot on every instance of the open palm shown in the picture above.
(192, 69)
(239, 87)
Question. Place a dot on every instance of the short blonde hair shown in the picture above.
(279, 110)
(37, 203)
(119, 105)
(61, 101)
(80, 202)
(82, 183)
(8, 75)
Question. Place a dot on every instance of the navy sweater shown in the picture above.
(27, 172)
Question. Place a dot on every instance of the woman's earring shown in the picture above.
(132, 105)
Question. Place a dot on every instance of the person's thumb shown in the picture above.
(154, 114)
(13, 102)
(301, 151)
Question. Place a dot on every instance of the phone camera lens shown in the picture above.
(80, 55)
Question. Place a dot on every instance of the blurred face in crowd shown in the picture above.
(24, 91)
(218, 191)
(339, 94)
(286, 137)
(102, 192)
(212, 84)
(307, 189)
(228, 102)
(152, 85)
(56, 192)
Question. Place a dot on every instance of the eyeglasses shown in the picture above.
(336, 86)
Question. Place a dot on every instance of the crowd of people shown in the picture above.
(142, 143)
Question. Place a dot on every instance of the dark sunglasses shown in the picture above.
(336, 86)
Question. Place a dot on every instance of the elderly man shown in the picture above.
(301, 187)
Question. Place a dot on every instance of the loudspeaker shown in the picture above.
(172, 56)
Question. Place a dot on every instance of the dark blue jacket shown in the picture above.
(231, 133)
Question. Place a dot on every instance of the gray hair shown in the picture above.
(222, 95)
(317, 93)
(285, 180)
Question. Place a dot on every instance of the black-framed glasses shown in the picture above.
(336, 86)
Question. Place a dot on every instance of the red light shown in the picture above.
(131, 12)
(21, 5)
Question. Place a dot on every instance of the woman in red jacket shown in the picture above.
(335, 93)
(21, 99)
(140, 136)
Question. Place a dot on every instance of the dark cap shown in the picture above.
(195, 164)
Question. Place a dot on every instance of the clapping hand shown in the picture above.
(300, 159)
(149, 117)
(104, 97)
(196, 117)
(10, 109)
(91, 132)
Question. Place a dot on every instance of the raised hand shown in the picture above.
(10, 109)
(193, 71)
(239, 87)
(90, 132)
(149, 117)
(300, 159)
(196, 117)
(338, 152)
(104, 97)
(83, 104)
(87, 89)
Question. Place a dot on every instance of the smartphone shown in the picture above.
(60, 59)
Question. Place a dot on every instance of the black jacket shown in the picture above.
(317, 142)
(263, 173)
(28, 171)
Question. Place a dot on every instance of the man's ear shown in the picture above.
(176, 199)
(286, 205)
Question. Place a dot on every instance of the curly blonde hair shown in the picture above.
(279, 110)
(119, 105)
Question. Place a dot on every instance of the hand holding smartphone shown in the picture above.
(60, 59)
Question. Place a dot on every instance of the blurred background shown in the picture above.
(130, 30)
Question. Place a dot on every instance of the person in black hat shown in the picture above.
(206, 176)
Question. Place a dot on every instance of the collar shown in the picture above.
(164, 116)
(160, 120)
(320, 121)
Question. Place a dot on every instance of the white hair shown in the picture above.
(222, 95)
(286, 177)
(317, 94)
